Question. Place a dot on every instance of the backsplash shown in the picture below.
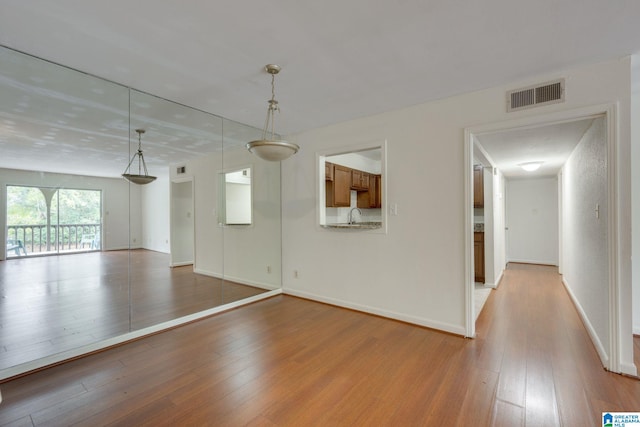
(341, 215)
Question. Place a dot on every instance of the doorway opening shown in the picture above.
(48, 221)
(605, 330)
(182, 223)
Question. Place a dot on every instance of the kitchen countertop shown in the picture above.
(372, 225)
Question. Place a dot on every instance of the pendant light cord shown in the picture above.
(273, 107)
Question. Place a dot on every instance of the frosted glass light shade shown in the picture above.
(530, 166)
(138, 179)
(273, 151)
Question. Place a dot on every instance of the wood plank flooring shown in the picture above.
(292, 362)
(56, 303)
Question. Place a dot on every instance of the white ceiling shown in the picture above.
(551, 144)
(341, 60)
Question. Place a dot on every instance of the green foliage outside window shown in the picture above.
(27, 206)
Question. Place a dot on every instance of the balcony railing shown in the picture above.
(37, 239)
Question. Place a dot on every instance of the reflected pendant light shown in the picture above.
(138, 178)
(269, 147)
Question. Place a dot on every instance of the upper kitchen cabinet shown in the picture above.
(338, 188)
(372, 197)
(328, 171)
(478, 186)
(359, 180)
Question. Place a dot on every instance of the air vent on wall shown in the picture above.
(181, 169)
(534, 96)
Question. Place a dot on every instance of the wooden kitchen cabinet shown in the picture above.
(373, 197)
(478, 186)
(478, 256)
(359, 180)
(338, 191)
(328, 171)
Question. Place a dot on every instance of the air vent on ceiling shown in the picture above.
(534, 96)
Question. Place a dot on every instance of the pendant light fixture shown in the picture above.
(269, 147)
(142, 166)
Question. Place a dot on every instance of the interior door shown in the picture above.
(182, 223)
(532, 218)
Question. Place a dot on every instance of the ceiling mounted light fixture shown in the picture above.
(142, 166)
(530, 166)
(272, 148)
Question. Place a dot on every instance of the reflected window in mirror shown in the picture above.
(236, 197)
(351, 188)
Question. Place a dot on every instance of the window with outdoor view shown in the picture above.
(42, 220)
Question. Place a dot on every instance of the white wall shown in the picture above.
(499, 249)
(532, 220)
(115, 197)
(416, 272)
(585, 258)
(489, 263)
(249, 254)
(635, 183)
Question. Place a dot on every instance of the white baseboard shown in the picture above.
(532, 261)
(636, 329)
(262, 285)
(446, 327)
(499, 278)
(242, 281)
(118, 248)
(181, 264)
(497, 282)
(602, 353)
(629, 369)
(207, 272)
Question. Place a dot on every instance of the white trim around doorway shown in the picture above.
(612, 360)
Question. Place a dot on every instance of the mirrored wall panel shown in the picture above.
(63, 140)
(252, 251)
(90, 256)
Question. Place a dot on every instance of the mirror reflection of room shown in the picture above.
(353, 190)
(90, 256)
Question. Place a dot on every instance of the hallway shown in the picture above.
(288, 361)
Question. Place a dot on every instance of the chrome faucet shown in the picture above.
(350, 219)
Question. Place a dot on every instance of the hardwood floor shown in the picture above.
(287, 361)
(56, 303)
